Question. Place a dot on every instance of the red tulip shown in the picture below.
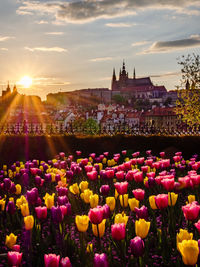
(118, 231)
(93, 175)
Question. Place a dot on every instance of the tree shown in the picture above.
(188, 103)
(119, 99)
(91, 126)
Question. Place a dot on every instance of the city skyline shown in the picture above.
(72, 45)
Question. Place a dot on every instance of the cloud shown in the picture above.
(54, 33)
(42, 22)
(49, 81)
(170, 46)
(46, 49)
(140, 43)
(5, 38)
(120, 25)
(81, 11)
(167, 74)
(100, 59)
(3, 49)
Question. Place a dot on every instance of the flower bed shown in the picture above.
(103, 210)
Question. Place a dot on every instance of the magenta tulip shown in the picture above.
(100, 260)
(65, 262)
(137, 246)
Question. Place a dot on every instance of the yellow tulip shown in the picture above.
(25, 209)
(101, 227)
(18, 189)
(189, 250)
(183, 235)
(191, 198)
(121, 218)
(110, 201)
(4, 167)
(11, 240)
(152, 202)
(116, 193)
(49, 200)
(82, 223)
(133, 203)
(89, 248)
(90, 159)
(83, 185)
(104, 160)
(124, 200)
(29, 222)
(74, 189)
(172, 198)
(2, 204)
(20, 201)
(94, 201)
(86, 195)
(53, 177)
(142, 228)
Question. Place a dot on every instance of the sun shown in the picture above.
(26, 81)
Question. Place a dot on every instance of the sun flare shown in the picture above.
(26, 81)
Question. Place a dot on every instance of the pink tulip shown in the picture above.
(14, 258)
(51, 260)
(138, 177)
(197, 225)
(121, 187)
(110, 174)
(118, 231)
(161, 201)
(65, 262)
(149, 162)
(78, 153)
(124, 152)
(120, 175)
(176, 158)
(16, 248)
(156, 165)
(162, 154)
(130, 175)
(96, 215)
(151, 174)
(34, 171)
(138, 194)
(41, 212)
(63, 210)
(168, 184)
(93, 175)
(191, 211)
(140, 161)
(184, 182)
(127, 165)
(88, 168)
(144, 169)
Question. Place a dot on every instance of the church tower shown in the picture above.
(113, 80)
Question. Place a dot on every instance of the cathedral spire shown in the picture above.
(114, 75)
(187, 85)
(134, 76)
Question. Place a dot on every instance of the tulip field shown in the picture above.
(126, 209)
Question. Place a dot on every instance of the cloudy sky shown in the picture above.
(74, 44)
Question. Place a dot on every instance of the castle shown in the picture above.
(141, 88)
